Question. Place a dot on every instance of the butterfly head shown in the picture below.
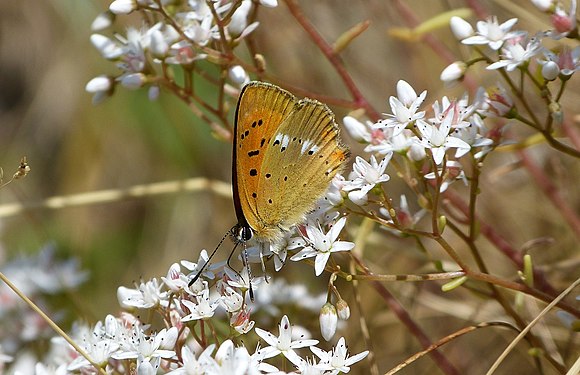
(241, 233)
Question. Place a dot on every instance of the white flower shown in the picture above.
(240, 321)
(472, 135)
(202, 265)
(175, 280)
(147, 366)
(460, 28)
(203, 309)
(437, 138)
(100, 343)
(279, 249)
(197, 30)
(404, 108)
(390, 143)
(229, 360)
(496, 101)
(159, 45)
(338, 358)
(492, 33)
(328, 319)
(107, 47)
(146, 296)
(322, 245)
(239, 20)
(366, 176)
(191, 365)
(282, 344)
(514, 54)
(568, 61)
(563, 22)
(231, 300)
(242, 280)
(137, 343)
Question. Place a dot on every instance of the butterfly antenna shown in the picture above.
(206, 263)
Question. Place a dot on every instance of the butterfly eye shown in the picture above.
(244, 233)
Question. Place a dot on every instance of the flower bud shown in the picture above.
(406, 93)
(460, 28)
(343, 309)
(238, 75)
(269, 3)
(103, 21)
(543, 5)
(550, 70)
(328, 321)
(133, 81)
(123, 6)
(98, 84)
(453, 73)
(356, 129)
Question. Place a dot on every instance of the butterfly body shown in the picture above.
(285, 153)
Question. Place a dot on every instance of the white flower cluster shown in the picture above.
(458, 124)
(178, 36)
(516, 48)
(455, 125)
(119, 341)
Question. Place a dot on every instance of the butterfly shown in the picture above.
(285, 154)
(286, 151)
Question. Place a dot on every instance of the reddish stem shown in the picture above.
(552, 192)
(406, 319)
(333, 58)
(501, 243)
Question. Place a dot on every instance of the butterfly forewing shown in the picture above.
(261, 109)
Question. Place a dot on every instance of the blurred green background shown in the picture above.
(73, 147)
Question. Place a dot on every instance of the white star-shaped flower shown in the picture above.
(437, 138)
(321, 245)
(514, 54)
(490, 32)
(366, 176)
(282, 344)
(404, 108)
(338, 358)
(203, 309)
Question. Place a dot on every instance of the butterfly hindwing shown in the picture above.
(303, 157)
